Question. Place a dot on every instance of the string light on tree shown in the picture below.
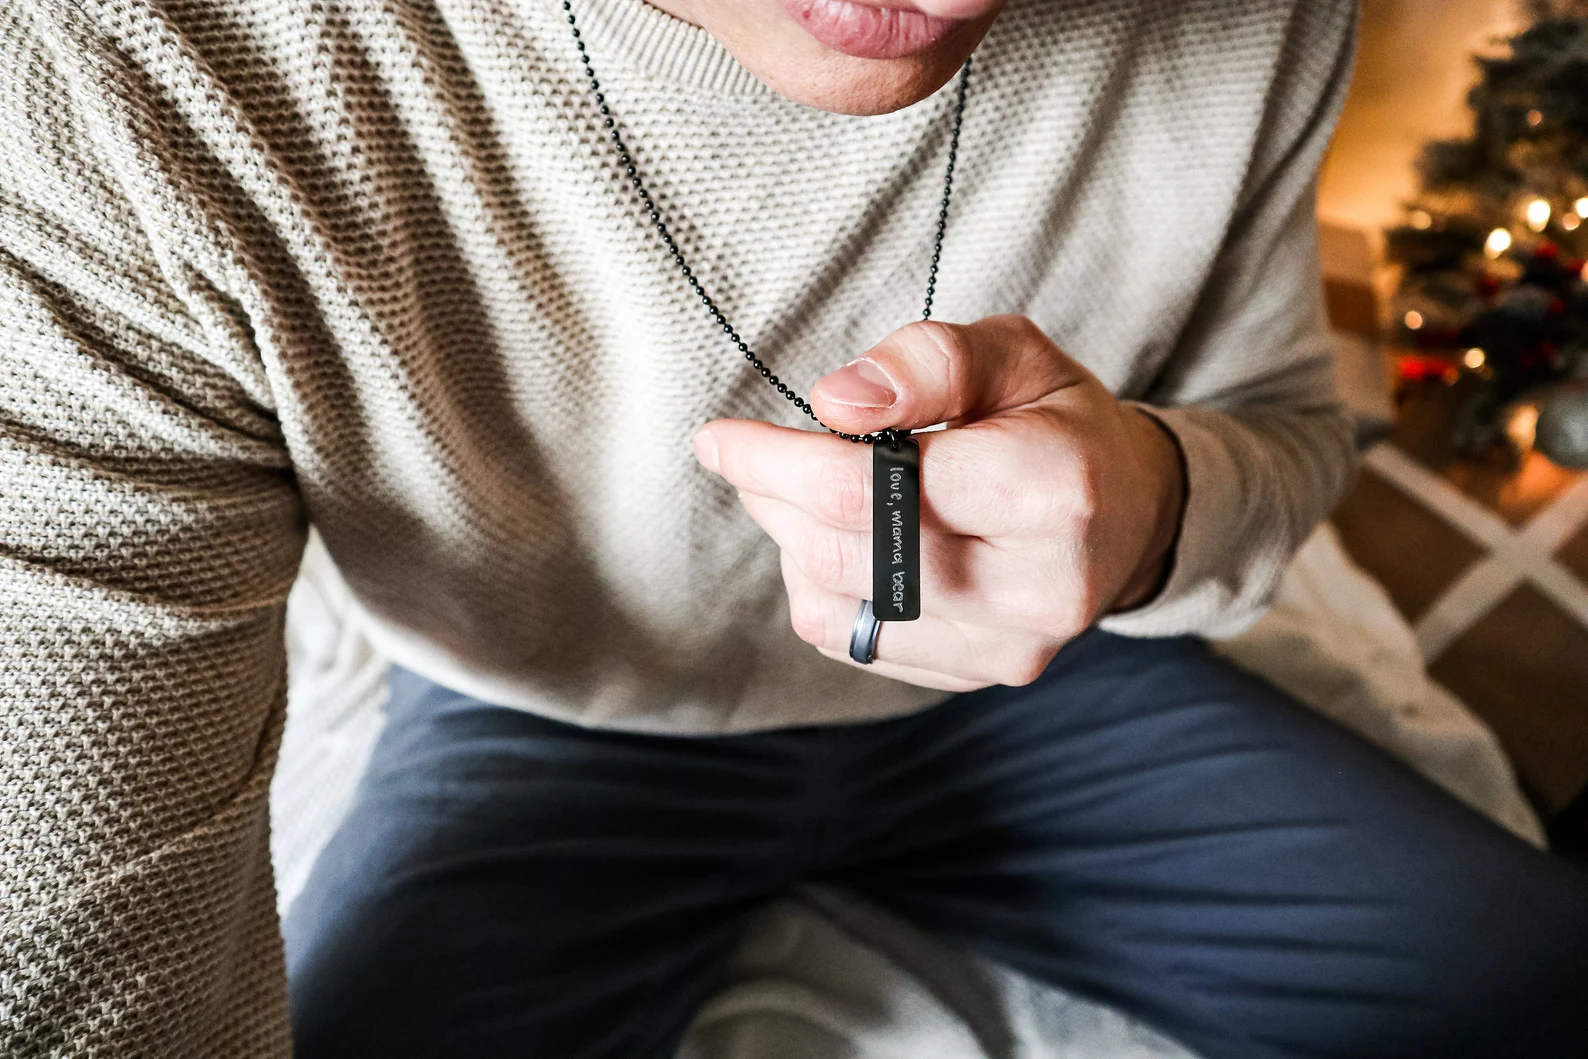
(1522, 427)
(1497, 240)
(1538, 214)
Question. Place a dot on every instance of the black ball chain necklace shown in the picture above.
(896, 463)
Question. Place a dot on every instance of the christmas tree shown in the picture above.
(1494, 248)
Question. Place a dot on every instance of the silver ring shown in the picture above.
(863, 641)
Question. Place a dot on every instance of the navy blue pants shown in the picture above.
(1145, 825)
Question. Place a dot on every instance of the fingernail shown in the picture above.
(860, 383)
(706, 451)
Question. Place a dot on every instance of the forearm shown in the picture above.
(1258, 480)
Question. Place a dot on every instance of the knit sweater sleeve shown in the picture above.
(149, 533)
(1267, 446)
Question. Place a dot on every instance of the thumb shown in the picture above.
(933, 372)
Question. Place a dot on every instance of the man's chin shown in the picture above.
(843, 85)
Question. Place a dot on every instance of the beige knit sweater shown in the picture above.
(368, 264)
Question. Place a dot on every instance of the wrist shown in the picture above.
(1163, 471)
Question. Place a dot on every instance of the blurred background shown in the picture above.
(1455, 231)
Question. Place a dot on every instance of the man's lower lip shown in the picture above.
(866, 31)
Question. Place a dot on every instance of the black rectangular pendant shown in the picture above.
(896, 530)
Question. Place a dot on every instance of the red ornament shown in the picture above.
(1547, 250)
(1556, 307)
(1418, 369)
(1488, 285)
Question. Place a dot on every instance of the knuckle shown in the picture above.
(947, 349)
(820, 554)
(1074, 612)
(807, 618)
(1087, 605)
(1027, 332)
(841, 493)
(984, 475)
(1026, 667)
(1055, 616)
(1007, 480)
(1072, 619)
(948, 341)
(1071, 469)
(1065, 607)
(1087, 488)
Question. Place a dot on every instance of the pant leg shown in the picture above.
(1151, 826)
(510, 886)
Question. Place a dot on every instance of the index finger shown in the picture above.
(822, 474)
(966, 490)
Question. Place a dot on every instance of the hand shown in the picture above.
(1046, 503)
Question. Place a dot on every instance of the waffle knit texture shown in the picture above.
(370, 264)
